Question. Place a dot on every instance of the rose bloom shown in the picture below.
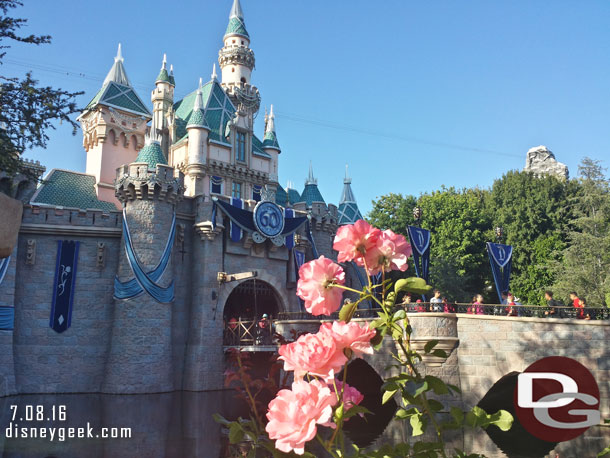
(390, 252)
(351, 396)
(350, 335)
(317, 354)
(294, 414)
(315, 286)
(353, 241)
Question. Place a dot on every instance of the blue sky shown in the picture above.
(413, 95)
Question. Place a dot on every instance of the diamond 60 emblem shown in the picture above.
(268, 219)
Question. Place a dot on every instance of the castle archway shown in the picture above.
(251, 299)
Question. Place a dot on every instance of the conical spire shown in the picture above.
(348, 208)
(163, 75)
(152, 153)
(172, 81)
(270, 138)
(197, 118)
(214, 74)
(310, 178)
(237, 26)
(117, 73)
(236, 10)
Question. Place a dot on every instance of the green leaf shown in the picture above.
(412, 285)
(435, 405)
(387, 395)
(347, 311)
(457, 415)
(604, 452)
(377, 339)
(220, 419)
(440, 353)
(430, 345)
(339, 414)
(236, 433)
(399, 315)
(422, 389)
(437, 385)
(417, 423)
(454, 388)
(502, 419)
(356, 410)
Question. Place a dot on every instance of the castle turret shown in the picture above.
(271, 145)
(348, 208)
(114, 125)
(236, 61)
(162, 98)
(198, 132)
(140, 358)
(311, 193)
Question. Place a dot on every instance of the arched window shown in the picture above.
(243, 80)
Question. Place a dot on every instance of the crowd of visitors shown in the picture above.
(576, 307)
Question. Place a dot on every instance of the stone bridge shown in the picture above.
(484, 348)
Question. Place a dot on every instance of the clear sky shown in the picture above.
(412, 94)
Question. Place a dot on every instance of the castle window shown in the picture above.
(233, 41)
(236, 190)
(241, 147)
(233, 69)
(243, 80)
(242, 42)
(216, 185)
(256, 192)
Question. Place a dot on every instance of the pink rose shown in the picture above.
(391, 252)
(315, 286)
(350, 335)
(353, 241)
(294, 414)
(351, 396)
(317, 354)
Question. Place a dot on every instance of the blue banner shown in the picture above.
(289, 213)
(4, 262)
(63, 288)
(7, 318)
(299, 260)
(256, 192)
(314, 249)
(420, 242)
(145, 281)
(236, 232)
(500, 258)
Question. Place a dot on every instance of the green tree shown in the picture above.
(393, 211)
(460, 225)
(28, 110)
(535, 213)
(585, 262)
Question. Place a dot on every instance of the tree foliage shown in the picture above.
(585, 262)
(560, 231)
(28, 109)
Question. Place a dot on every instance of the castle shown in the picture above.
(123, 276)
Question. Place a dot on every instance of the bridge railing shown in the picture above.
(534, 311)
(246, 333)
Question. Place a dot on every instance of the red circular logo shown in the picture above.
(557, 399)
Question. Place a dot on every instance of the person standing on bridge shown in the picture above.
(577, 304)
(553, 304)
(436, 301)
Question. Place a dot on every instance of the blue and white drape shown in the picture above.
(7, 314)
(500, 258)
(256, 192)
(236, 231)
(420, 242)
(215, 184)
(4, 262)
(146, 281)
(299, 260)
(63, 286)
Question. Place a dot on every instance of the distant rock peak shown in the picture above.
(541, 161)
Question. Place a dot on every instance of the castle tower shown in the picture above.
(236, 61)
(114, 125)
(271, 145)
(348, 208)
(162, 98)
(311, 193)
(198, 132)
(140, 358)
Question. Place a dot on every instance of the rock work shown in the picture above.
(541, 161)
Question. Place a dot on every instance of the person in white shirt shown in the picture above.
(436, 302)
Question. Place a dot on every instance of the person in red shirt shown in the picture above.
(578, 304)
(510, 302)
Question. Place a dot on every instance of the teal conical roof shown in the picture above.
(311, 193)
(348, 209)
(172, 81)
(270, 138)
(280, 196)
(152, 155)
(237, 26)
(197, 118)
(163, 74)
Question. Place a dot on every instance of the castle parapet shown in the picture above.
(138, 181)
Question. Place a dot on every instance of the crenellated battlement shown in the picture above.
(137, 181)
